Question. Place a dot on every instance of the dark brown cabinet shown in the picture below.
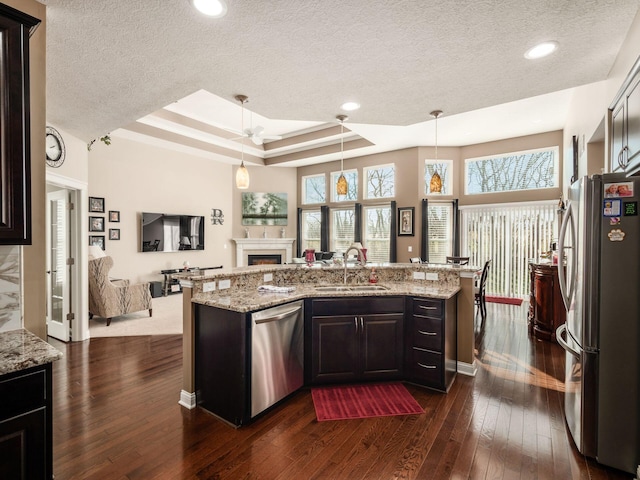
(625, 125)
(355, 339)
(26, 424)
(431, 342)
(15, 151)
(546, 308)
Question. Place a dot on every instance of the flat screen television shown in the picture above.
(165, 232)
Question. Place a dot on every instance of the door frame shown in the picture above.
(79, 251)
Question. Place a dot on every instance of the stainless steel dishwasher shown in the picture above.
(277, 359)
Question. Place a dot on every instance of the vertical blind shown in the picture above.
(509, 235)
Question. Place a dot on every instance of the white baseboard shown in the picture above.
(469, 369)
(187, 399)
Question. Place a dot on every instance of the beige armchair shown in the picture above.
(109, 298)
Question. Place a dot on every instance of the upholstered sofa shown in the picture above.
(111, 298)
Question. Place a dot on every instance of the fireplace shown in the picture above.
(270, 259)
(262, 247)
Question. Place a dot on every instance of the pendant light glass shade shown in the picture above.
(342, 186)
(242, 177)
(435, 185)
(242, 174)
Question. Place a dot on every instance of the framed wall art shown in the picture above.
(114, 234)
(405, 221)
(114, 216)
(264, 208)
(97, 240)
(96, 224)
(96, 204)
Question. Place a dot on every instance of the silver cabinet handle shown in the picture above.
(422, 332)
(430, 367)
(355, 319)
(362, 324)
(427, 308)
(623, 157)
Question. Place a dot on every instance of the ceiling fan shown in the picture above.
(256, 134)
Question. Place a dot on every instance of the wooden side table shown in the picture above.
(546, 308)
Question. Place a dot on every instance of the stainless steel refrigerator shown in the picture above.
(600, 238)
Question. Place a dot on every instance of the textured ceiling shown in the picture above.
(112, 63)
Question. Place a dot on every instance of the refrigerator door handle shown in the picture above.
(559, 331)
(567, 296)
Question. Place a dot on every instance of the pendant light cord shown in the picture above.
(342, 146)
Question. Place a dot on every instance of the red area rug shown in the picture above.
(507, 300)
(363, 401)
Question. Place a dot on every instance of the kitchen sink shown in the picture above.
(351, 288)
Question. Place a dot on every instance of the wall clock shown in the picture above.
(54, 147)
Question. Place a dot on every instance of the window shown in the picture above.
(314, 189)
(377, 233)
(311, 222)
(444, 169)
(352, 190)
(380, 181)
(509, 235)
(342, 229)
(440, 216)
(529, 170)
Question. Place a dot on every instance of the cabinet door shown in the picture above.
(633, 127)
(334, 349)
(381, 350)
(543, 286)
(23, 451)
(618, 140)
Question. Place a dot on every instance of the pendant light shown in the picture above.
(342, 186)
(435, 186)
(242, 174)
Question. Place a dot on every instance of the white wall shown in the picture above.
(135, 177)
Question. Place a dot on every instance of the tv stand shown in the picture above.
(171, 285)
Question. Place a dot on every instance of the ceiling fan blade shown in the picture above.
(257, 131)
(256, 139)
(248, 132)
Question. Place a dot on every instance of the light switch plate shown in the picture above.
(224, 284)
(208, 286)
(432, 276)
(268, 277)
(410, 248)
(418, 275)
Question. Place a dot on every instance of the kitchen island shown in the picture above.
(236, 292)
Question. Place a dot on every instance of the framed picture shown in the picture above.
(96, 224)
(96, 204)
(114, 234)
(114, 215)
(405, 221)
(264, 208)
(97, 240)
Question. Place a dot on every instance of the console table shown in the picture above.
(172, 285)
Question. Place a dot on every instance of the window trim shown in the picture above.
(556, 173)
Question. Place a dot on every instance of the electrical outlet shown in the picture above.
(268, 277)
(418, 275)
(208, 286)
(409, 248)
(224, 284)
(432, 276)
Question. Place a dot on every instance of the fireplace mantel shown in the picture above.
(244, 246)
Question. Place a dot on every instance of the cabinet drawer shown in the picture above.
(427, 333)
(356, 306)
(428, 307)
(22, 393)
(426, 367)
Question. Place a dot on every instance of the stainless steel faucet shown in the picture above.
(346, 258)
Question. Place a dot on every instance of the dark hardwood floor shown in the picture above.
(116, 416)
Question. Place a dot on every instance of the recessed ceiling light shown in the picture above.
(541, 50)
(350, 106)
(211, 8)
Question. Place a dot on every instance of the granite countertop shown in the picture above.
(245, 300)
(21, 349)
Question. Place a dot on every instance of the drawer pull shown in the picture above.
(427, 308)
(422, 332)
(430, 367)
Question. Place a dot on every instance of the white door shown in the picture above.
(58, 272)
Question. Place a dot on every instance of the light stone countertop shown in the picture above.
(248, 300)
(21, 349)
